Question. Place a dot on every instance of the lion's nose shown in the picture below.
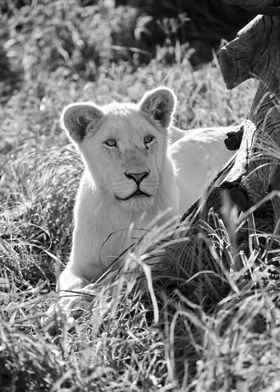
(137, 177)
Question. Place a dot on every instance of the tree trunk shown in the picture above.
(254, 171)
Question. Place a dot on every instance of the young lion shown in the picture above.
(132, 173)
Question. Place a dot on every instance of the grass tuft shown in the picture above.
(185, 312)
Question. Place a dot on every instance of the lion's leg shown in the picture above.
(82, 268)
(69, 280)
(71, 301)
(84, 265)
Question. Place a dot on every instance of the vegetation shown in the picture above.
(189, 323)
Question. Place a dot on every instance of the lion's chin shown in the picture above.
(137, 202)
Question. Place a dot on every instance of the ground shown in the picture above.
(177, 330)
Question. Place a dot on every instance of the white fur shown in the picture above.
(179, 174)
(198, 156)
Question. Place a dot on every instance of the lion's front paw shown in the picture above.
(61, 315)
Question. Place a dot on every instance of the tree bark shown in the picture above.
(256, 53)
(266, 7)
(254, 171)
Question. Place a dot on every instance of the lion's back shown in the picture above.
(198, 156)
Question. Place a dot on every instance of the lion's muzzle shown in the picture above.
(137, 178)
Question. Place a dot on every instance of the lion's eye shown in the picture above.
(111, 143)
(148, 139)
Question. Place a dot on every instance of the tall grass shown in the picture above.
(176, 314)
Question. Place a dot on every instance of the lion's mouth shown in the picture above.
(137, 193)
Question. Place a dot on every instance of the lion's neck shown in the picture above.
(168, 196)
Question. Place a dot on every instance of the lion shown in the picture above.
(137, 165)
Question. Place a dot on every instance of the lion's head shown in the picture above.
(124, 145)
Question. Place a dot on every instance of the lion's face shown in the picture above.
(124, 146)
(125, 158)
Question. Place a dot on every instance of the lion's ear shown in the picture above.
(76, 118)
(160, 104)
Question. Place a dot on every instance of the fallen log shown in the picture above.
(254, 171)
